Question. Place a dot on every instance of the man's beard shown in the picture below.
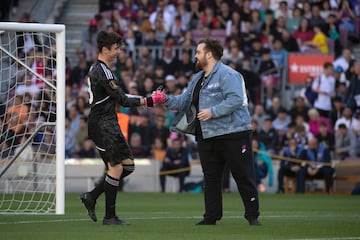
(199, 65)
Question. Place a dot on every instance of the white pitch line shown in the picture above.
(334, 238)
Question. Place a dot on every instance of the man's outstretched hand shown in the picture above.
(157, 97)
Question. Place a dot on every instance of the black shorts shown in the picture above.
(110, 141)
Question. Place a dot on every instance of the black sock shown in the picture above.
(99, 189)
(110, 188)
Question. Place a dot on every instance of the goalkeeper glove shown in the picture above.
(158, 97)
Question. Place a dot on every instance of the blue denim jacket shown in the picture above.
(224, 93)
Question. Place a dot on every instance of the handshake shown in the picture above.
(157, 97)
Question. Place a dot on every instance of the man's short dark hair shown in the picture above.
(107, 39)
(213, 46)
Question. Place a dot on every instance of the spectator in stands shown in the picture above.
(353, 94)
(283, 11)
(158, 150)
(306, 9)
(318, 155)
(281, 121)
(176, 158)
(196, 13)
(346, 16)
(316, 19)
(324, 85)
(80, 135)
(289, 42)
(318, 42)
(252, 81)
(301, 135)
(79, 72)
(255, 22)
(27, 86)
(17, 110)
(145, 58)
(326, 138)
(186, 66)
(279, 53)
(280, 26)
(303, 34)
(160, 30)
(137, 147)
(87, 149)
(8, 141)
(235, 56)
(234, 25)
(274, 108)
(259, 115)
(331, 30)
(267, 135)
(158, 76)
(224, 15)
(170, 85)
(291, 168)
(209, 19)
(345, 143)
(69, 139)
(48, 145)
(300, 121)
(106, 5)
(350, 121)
(326, 9)
(269, 26)
(245, 11)
(315, 119)
(151, 39)
(165, 13)
(75, 117)
(337, 109)
(89, 40)
(187, 40)
(122, 22)
(344, 60)
(269, 75)
(263, 165)
(147, 87)
(158, 130)
(169, 61)
(299, 108)
(184, 15)
(293, 22)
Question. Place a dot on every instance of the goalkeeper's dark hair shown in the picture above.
(213, 46)
(107, 39)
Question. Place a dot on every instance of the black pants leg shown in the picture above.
(239, 156)
(213, 168)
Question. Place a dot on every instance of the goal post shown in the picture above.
(39, 181)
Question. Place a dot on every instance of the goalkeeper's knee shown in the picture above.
(127, 170)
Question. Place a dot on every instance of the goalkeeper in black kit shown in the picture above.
(104, 129)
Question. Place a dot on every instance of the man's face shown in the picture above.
(200, 57)
(113, 52)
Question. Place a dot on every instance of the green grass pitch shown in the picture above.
(172, 216)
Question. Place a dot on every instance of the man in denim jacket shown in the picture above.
(222, 128)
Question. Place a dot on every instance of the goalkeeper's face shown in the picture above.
(114, 52)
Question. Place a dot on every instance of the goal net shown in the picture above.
(32, 115)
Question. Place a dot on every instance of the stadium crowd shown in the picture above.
(322, 124)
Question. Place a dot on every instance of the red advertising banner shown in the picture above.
(301, 66)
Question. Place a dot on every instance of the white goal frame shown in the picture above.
(59, 30)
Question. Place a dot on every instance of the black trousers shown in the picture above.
(214, 153)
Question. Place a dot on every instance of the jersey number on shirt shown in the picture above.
(91, 94)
